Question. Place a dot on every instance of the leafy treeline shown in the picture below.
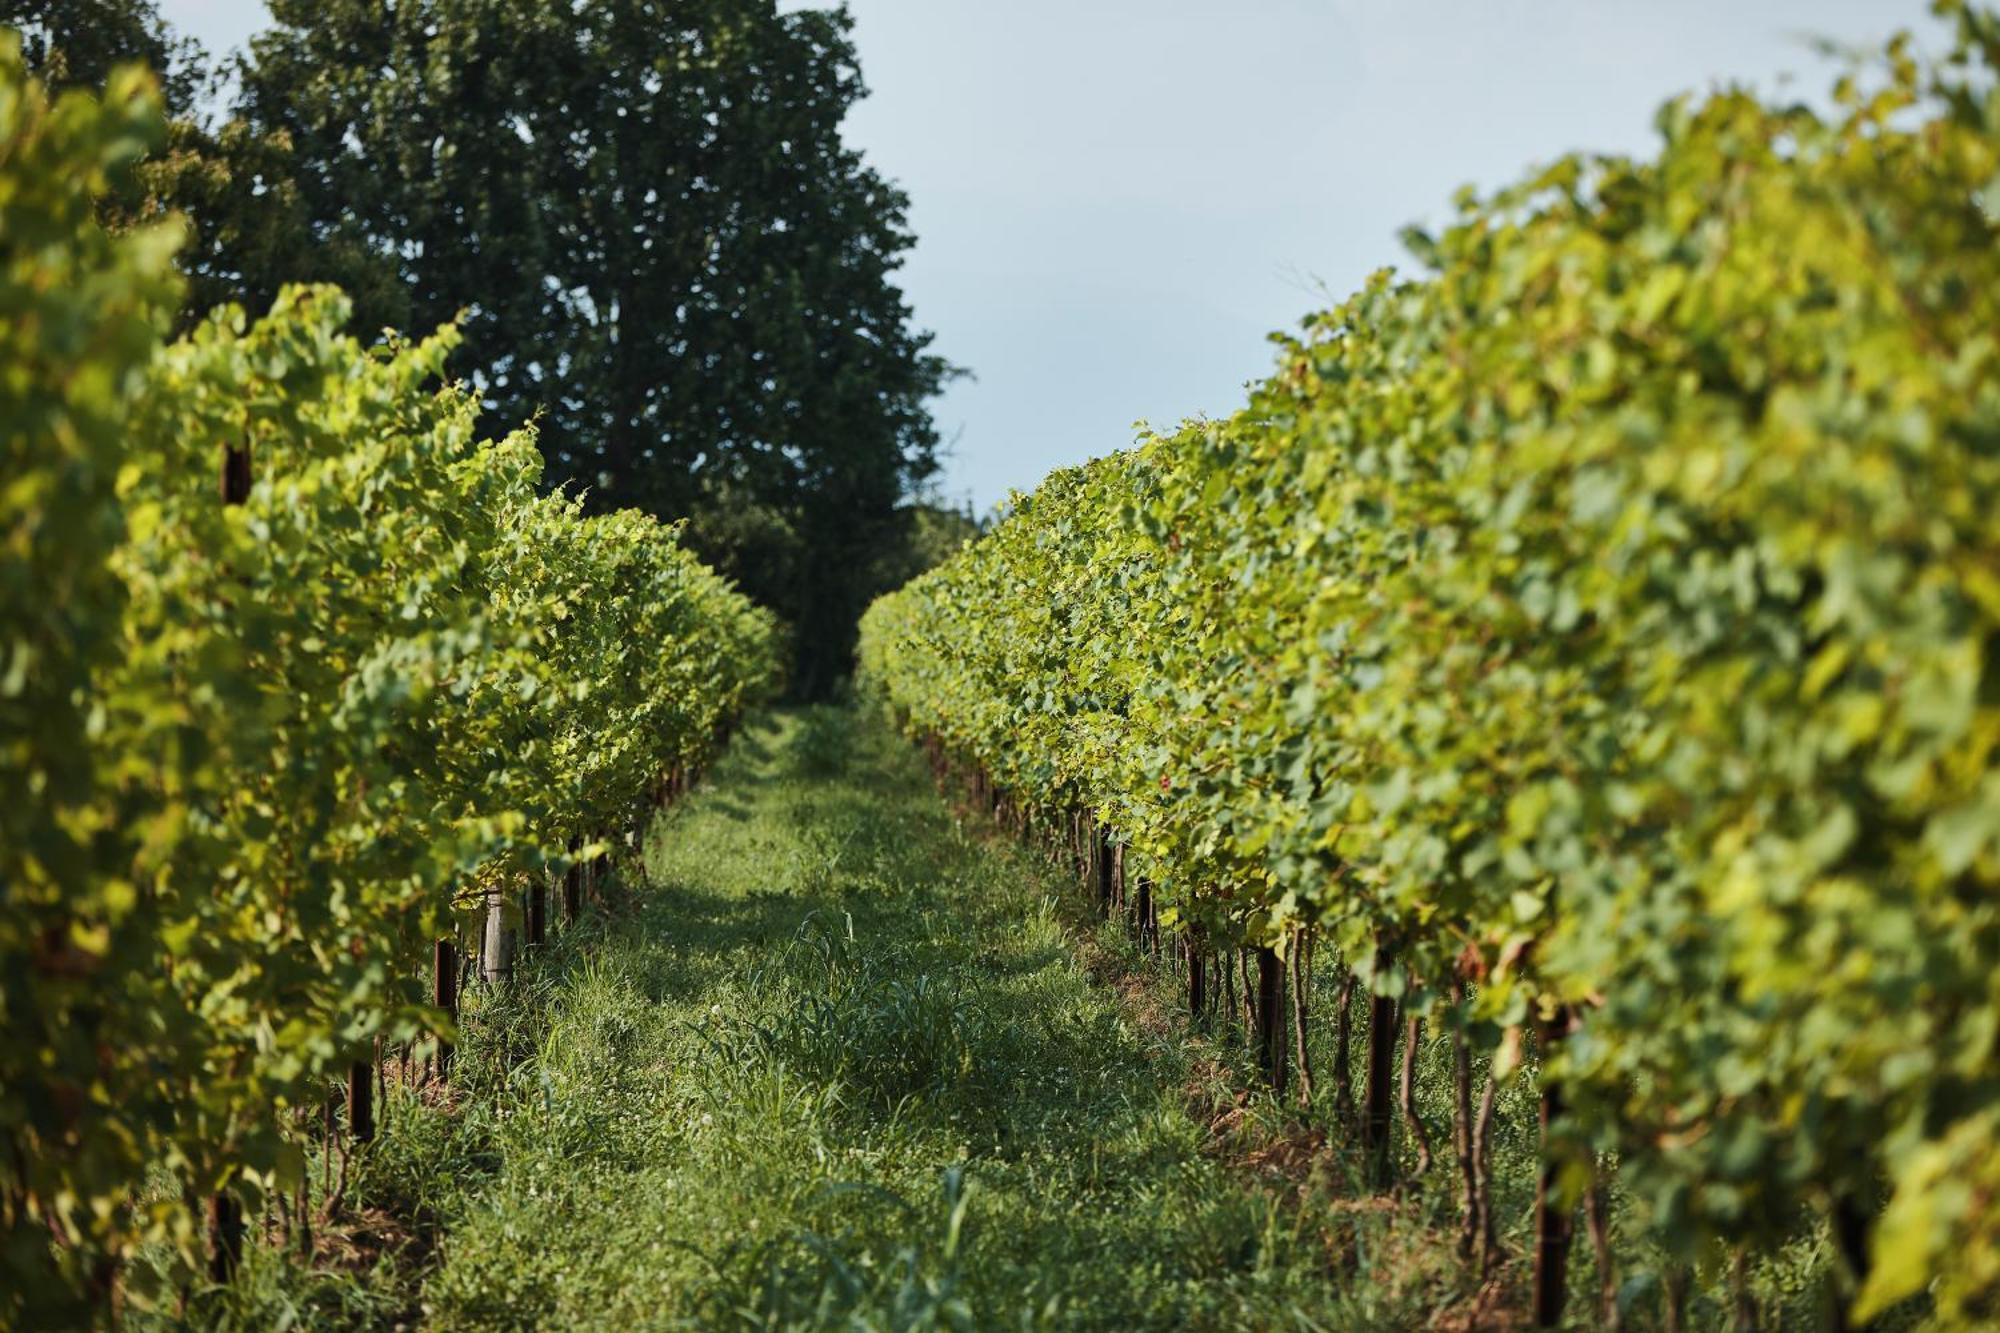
(1596, 644)
(662, 250)
(298, 675)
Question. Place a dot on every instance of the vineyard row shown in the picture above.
(302, 683)
(1593, 646)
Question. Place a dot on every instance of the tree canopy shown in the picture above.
(77, 43)
(642, 213)
(659, 243)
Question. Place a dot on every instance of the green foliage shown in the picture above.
(261, 754)
(79, 317)
(1609, 616)
(661, 248)
(644, 222)
(230, 183)
(630, 1147)
(79, 43)
(934, 533)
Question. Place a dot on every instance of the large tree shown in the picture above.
(659, 242)
(76, 43)
(248, 232)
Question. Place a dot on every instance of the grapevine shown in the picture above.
(266, 748)
(1600, 627)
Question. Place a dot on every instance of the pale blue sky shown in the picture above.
(1115, 200)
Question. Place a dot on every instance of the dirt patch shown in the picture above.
(1140, 1001)
(417, 1076)
(360, 1239)
(1497, 1307)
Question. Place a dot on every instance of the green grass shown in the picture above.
(848, 1060)
(836, 1065)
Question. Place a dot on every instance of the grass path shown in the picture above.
(838, 1065)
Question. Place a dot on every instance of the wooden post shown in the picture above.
(497, 958)
(1597, 1219)
(225, 1236)
(1378, 1123)
(1413, 1037)
(361, 1101)
(538, 913)
(1197, 979)
(1743, 1305)
(1461, 1118)
(1554, 1222)
(1678, 1279)
(1343, 1041)
(572, 891)
(1482, 1165)
(444, 992)
(235, 476)
(1100, 855)
(1850, 1237)
(1271, 1016)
